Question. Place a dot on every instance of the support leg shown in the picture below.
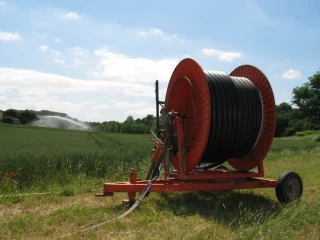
(131, 195)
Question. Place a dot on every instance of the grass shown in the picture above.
(35, 158)
(66, 207)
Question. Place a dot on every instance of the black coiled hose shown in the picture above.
(236, 117)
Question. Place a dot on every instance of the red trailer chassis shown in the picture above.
(201, 181)
(194, 180)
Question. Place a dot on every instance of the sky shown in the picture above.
(98, 60)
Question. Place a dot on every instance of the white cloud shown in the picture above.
(6, 36)
(81, 52)
(57, 60)
(3, 90)
(127, 80)
(56, 53)
(35, 94)
(158, 33)
(56, 56)
(141, 113)
(93, 117)
(131, 105)
(152, 31)
(135, 109)
(71, 15)
(38, 90)
(143, 33)
(57, 40)
(222, 56)
(82, 56)
(3, 98)
(119, 67)
(2, 3)
(170, 37)
(291, 74)
(101, 106)
(78, 62)
(11, 78)
(43, 48)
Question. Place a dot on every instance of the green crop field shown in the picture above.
(69, 167)
(33, 157)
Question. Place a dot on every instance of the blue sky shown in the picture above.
(98, 60)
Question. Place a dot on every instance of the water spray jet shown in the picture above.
(59, 122)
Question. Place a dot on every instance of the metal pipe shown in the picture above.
(157, 107)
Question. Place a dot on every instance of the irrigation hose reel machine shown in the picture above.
(210, 118)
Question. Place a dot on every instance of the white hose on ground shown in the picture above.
(38, 193)
(26, 194)
(133, 207)
(137, 202)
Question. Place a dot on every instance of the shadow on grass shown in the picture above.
(225, 207)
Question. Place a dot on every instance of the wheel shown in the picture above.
(289, 187)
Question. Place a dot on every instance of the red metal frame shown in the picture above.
(229, 181)
(194, 180)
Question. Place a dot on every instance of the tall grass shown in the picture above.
(31, 155)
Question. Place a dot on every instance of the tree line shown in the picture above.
(19, 116)
(304, 113)
(130, 125)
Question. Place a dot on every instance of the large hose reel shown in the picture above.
(225, 117)
(210, 117)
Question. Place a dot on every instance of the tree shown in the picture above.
(291, 120)
(284, 112)
(11, 113)
(130, 125)
(27, 116)
(283, 108)
(307, 97)
(148, 120)
(129, 120)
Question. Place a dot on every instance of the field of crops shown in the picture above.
(33, 157)
(71, 166)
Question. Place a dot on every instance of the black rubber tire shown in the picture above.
(289, 187)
